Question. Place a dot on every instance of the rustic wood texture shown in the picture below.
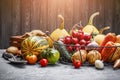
(20, 16)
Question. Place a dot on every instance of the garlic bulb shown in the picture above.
(99, 64)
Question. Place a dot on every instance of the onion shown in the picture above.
(12, 49)
(77, 56)
(92, 45)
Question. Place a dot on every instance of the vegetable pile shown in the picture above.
(81, 45)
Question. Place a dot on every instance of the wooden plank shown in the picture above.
(109, 10)
(44, 16)
(116, 17)
(35, 14)
(100, 19)
(51, 15)
(25, 16)
(84, 12)
(15, 17)
(68, 14)
(5, 22)
(76, 11)
(92, 9)
(60, 10)
(0, 24)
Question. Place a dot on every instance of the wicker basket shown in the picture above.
(16, 41)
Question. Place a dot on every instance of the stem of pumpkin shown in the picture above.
(62, 22)
(92, 17)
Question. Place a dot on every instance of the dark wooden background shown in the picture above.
(20, 16)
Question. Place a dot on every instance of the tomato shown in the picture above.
(74, 34)
(82, 42)
(87, 37)
(43, 62)
(67, 40)
(77, 47)
(80, 35)
(70, 48)
(31, 59)
(74, 40)
(77, 63)
(52, 55)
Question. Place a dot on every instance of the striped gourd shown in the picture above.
(34, 45)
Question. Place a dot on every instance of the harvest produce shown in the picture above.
(51, 54)
(90, 28)
(31, 59)
(34, 33)
(12, 49)
(59, 45)
(77, 63)
(79, 55)
(43, 62)
(117, 64)
(118, 39)
(116, 54)
(99, 64)
(108, 50)
(108, 37)
(59, 32)
(34, 45)
(38, 33)
(100, 37)
(92, 56)
(92, 45)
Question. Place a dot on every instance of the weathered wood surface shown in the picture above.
(20, 16)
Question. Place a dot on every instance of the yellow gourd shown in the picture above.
(59, 32)
(100, 37)
(90, 28)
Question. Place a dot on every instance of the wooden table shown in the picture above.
(59, 71)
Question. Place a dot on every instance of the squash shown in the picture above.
(100, 37)
(90, 28)
(107, 38)
(92, 56)
(108, 50)
(118, 38)
(116, 54)
(59, 32)
(34, 45)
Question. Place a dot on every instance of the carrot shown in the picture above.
(108, 50)
(109, 37)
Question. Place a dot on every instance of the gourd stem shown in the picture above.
(92, 17)
(103, 29)
(62, 22)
